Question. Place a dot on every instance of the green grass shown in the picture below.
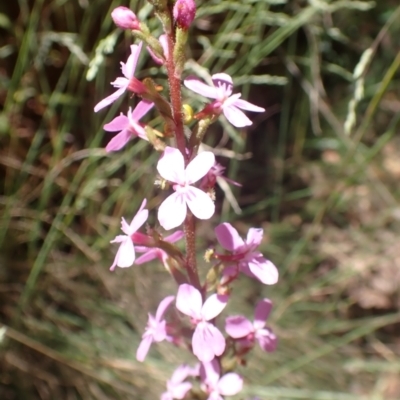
(326, 196)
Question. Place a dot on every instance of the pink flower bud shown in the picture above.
(184, 13)
(125, 18)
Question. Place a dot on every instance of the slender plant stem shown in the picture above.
(176, 102)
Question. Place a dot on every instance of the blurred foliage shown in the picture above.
(322, 181)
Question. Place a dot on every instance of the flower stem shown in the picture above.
(176, 102)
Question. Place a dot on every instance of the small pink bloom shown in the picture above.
(207, 340)
(164, 44)
(125, 256)
(128, 81)
(125, 18)
(239, 327)
(150, 253)
(156, 329)
(226, 102)
(213, 175)
(215, 385)
(171, 166)
(128, 126)
(184, 12)
(176, 387)
(245, 253)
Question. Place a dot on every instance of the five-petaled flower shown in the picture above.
(156, 329)
(176, 386)
(207, 340)
(125, 256)
(128, 126)
(215, 385)
(127, 82)
(239, 327)
(225, 102)
(245, 253)
(171, 166)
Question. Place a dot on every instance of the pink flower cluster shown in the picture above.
(191, 318)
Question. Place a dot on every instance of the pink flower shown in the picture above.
(184, 12)
(124, 18)
(150, 253)
(171, 167)
(245, 254)
(128, 126)
(216, 386)
(164, 44)
(207, 340)
(214, 175)
(176, 387)
(239, 327)
(226, 102)
(125, 256)
(156, 329)
(128, 81)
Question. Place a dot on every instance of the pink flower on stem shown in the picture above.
(128, 126)
(207, 340)
(213, 175)
(151, 253)
(184, 12)
(245, 254)
(239, 327)
(171, 166)
(225, 102)
(215, 385)
(125, 256)
(176, 387)
(127, 82)
(156, 329)
(125, 18)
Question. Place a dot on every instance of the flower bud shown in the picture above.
(184, 13)
(125, 18)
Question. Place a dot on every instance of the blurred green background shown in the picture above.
(320, 174)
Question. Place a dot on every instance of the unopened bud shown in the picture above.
(184, 13)
(125, 18)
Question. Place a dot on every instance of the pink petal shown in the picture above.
(200, 87)
(189, 301)
(110, 99)
(144, 347)
(207, 342)
(139, 219)
(119, 123)
(200, 203)
(238, 326)
(254, 237)
(119, 141)
(224, 81)
(228, 237)
(261, 313)
(125, 256)
(142, 108)
(236, 117)
(174, 237)
(180, 374)
(245, 105)
(150, 255)
(210, 372)
(163, 39)
(213, 306)
(264, 270)
(172, 211)
(230, 384)
(171, 166)
(267, 340)
(179, 391)
(199, 166)
(129, 68)
(162, 307)
(137, 129)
